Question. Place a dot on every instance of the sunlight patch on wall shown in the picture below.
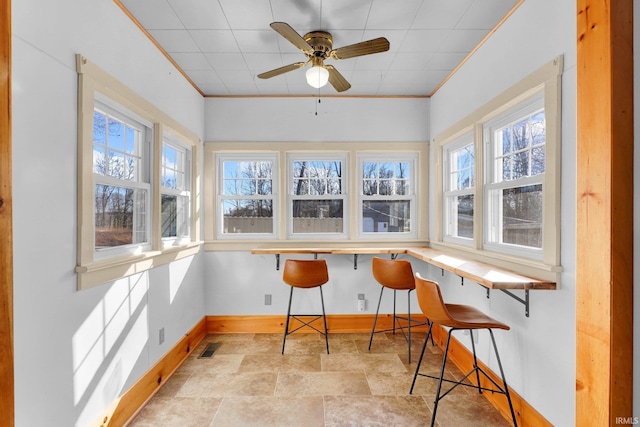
(112, 336)
(177, 273)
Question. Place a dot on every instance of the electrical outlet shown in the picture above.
(361, 305)
(267, 299)
(161, 336)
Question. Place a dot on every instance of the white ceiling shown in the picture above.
(221, 45)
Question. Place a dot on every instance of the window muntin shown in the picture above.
(387, 198)
(515, 164)
(246, 198)
(175, 203)
(459, 188)
(317, 195)
(122, 188)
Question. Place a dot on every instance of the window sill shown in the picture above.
(248, 245)
(526, 267)
(99, 272)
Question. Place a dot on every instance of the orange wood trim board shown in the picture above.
(122, 410)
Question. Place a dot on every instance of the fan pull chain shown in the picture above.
(317, 105)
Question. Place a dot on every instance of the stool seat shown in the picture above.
(397, 275)
(467, 317)
(305, 274)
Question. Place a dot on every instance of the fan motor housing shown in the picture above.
(320, 41)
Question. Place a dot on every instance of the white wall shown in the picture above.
(539, 351)
(75, 352)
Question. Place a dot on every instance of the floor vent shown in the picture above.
(208, 352)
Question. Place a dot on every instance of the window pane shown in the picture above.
(120, 216)
(317, 216)
(386, 216)
(464, 214)
(247, 178)
(247, 216)
(175, 216)
(116, 134)
(522, 213)
(520, 136)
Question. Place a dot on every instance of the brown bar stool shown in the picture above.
(305, 274)
(457, 317)
(395, 274)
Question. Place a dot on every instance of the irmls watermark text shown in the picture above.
(627, 420)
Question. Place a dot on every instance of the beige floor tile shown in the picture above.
(373, 411)
(280, 363)
(217, 364)
(362, 363)
(177, 411)
(273, 411)
(322, 383)
(468, 410)
(225, 384)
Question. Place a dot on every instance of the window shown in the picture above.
(307, 193)
(459, 187)
(122, 189)
(175, 206)
(499, 195)
(246, 198)
(317, 194)
(387, 195)
(515, 166)
(136, 169)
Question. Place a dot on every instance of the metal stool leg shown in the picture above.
(375, 320)
(424, 346)
(286, 327)
(444, 364)
(324, 318)
(475, 361)
(504, 381)
(409, 321)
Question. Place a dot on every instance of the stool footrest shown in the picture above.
(305, 323)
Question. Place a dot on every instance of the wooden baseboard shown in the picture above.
(121, 411)
(127, 406)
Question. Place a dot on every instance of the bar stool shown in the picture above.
(457, 317)
(305, 274)
(395, 274)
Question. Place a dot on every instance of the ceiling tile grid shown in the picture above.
(223, 45)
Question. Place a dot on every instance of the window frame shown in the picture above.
(220, 158)
(344, 196)
(306, 149)
(184, 191)
(97, 86)
(460, 142)
(545, 82)
(412, 197)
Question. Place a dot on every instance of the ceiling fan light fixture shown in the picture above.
(317, 76)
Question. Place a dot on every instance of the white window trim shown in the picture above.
(546, 80)
(344, 158)
(220, 158)
(458, 143)
(95, 84)
(411, 158)
(187, 160)
(420, 222)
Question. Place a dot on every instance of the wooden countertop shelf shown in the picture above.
(486, 275)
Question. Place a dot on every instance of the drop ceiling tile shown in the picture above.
(175, 40)
(423, 40)
(446, 60)
(262, 62)
(206, 77)
(247, 14)
(342, 15)
(153, 14)
(200, 14)
(226, 61)
(414, 60)
(438, 14)
(215, 40)
(386, 14)
(257, 41)
(303, 16)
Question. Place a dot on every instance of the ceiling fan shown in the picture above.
(318, 46)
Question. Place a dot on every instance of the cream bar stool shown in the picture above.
(457, 317)
(305, 274)
(395, 274)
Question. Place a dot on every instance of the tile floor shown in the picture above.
(248, 382)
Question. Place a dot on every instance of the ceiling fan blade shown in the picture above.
(281, 70)
(290, 34)
(337, 81)
(378, 45)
